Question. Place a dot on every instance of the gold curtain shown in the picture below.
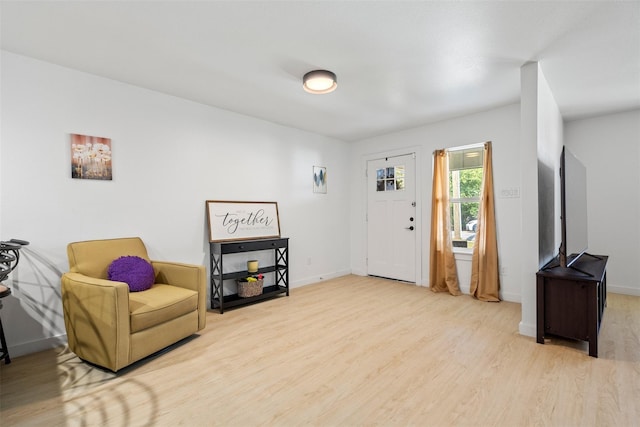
(442, 265)
(485, 278)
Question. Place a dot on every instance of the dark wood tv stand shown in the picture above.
(571, 301)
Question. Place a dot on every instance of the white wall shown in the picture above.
(502, 127)
(529, 180)
(170, 155)
(542, 139)
(609, 147)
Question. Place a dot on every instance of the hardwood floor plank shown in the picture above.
(348, 351)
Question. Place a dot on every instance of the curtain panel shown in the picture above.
(485, 277)
(442, 265)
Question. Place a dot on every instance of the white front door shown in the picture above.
(391, 218)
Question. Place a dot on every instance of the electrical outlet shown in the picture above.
(309, 261)
(510, 193)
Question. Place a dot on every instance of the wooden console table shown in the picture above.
(571, 301)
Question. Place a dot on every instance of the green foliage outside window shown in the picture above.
(470, 187)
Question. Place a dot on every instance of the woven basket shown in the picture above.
(250, 289)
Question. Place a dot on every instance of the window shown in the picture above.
(390, 179)
(465, 186)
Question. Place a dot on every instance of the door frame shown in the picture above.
(419, 172)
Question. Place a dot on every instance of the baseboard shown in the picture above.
(511, 297)
(623, 290)
(359, 272)
(527, 329)
(23, 349)
(318, 278)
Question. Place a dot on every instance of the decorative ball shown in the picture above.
(134, 271)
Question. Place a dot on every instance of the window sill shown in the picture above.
(463, 254)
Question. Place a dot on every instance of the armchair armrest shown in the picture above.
(189, 276)
(96, 315)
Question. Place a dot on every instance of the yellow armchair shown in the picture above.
(111, 327)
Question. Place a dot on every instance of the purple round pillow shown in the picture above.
(134, 271)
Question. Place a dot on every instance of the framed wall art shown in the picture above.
(319, 179)
(230, 220)
(91, 157)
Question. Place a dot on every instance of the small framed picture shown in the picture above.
(319, 179)
(90, 157)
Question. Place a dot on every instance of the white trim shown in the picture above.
(463, 254)
(510, 297)
(527, 329)
(319, 278)
(475, 199)
(623, 290)
(22, 349)
(466, 147)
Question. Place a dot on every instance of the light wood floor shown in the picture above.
(347, 352)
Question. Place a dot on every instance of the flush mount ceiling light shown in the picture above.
(319, 81)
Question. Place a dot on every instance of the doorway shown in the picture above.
(392, 225)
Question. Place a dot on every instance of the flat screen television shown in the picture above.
(573, 208)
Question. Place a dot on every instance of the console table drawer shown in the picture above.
(248, 246)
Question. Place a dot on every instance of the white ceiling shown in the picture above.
(399, 63)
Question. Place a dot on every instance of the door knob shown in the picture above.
(409, 228)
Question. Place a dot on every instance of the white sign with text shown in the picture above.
(242, 220)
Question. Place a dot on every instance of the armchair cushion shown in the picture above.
(134, 271)
(160, 304)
